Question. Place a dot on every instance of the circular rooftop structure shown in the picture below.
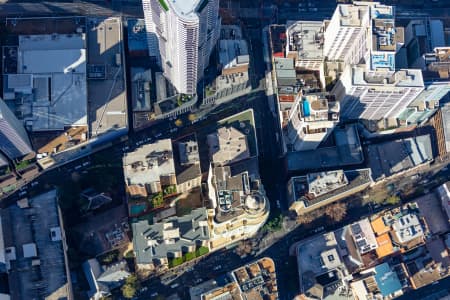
(255, 203)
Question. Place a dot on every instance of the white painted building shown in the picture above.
(376, 95)
(181, 36)
(311, 120)
(362, 30)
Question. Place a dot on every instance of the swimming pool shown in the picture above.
(137, 209)
(306, 108)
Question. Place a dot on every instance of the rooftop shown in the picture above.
(148, 163)
(346, 152)
(407, 228)
(171, 237)
(389, 158)
(437, 64)
(383, 35)
(233, 53)
(51, 79)
(235, 190)
(141, 84)
(320, 266)
(277, 39)
(187, 160)
(137, 36)
(108, 99)
(385, 246)
(351, 15)
(34, 235)
(325, 182)
(227, 145)
(382, 79)
(306, 39)
(387, 280)
(363, 236)
(257, 280)
(344, 181)
(185, 9)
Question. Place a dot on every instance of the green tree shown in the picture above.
(157, 200)
(130, 287)
(392, 200)
(336, 211)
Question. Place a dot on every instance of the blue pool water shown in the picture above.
(137, 209)
(306, 109)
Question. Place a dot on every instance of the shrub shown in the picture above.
(189, 256)
(175, 262)
(201, 251)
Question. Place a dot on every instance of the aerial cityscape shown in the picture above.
(224, 149)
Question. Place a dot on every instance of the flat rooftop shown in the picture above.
(306, 38)
(137, 36)
(36, 227)
(108, 102)
(388, 158)
(383, 34)
(147, 163)
(257, 280)
(233, 53)
(351, 15)
(141, 84)
(385, 79)
(325, 182)
(227, 145)
(347, 151)
(277, 39)
(51, 79)
(353, 179)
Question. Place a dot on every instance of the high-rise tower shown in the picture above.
(181, 35)
(14, 141)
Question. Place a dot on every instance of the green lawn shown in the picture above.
(22, 165)
(201, 251)
(174, 262)
(246, 115)
(189, 256)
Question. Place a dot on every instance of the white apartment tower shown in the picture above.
(362, 30)
(181, 35)
(14, 141)
(376, 95)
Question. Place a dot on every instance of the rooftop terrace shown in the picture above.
(341, 182)
(306, 39)
(149, 162)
